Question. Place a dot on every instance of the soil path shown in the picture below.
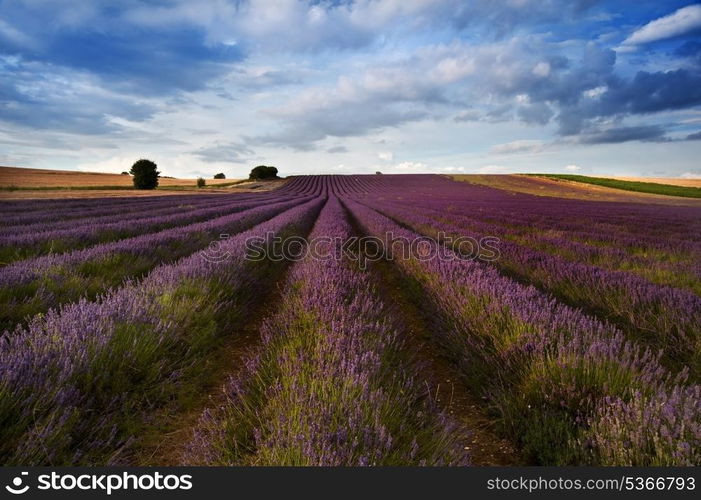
(440, 376)
(443, 380)
(168, 447)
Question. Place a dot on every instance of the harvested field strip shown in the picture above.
(643, 187)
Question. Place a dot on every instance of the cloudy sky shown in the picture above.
(488, 86)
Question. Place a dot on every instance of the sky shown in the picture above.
(397, 86)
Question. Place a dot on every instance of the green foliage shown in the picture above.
(263, 172)
(220, 176)
(200, 182)
(145, 174)
(125, 173)
(642, 187)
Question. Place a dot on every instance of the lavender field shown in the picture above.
(380, 320)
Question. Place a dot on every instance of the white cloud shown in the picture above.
(542, 69)
(287, 25)
(427, 84)
(678, 23)
(691, 175)
(494, 169)
(573, 168)
(397, 75)
(468, 115)
(113, 165)
(595, 92)
(411, 166)
(515, 147)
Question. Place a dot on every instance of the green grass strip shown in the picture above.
(641, 187)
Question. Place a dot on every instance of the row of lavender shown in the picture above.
(676, 222)
(89, 230)
(569, 388)
(632, 227)
(665, 258)
(79, 384)
(61, 215)
(30, 211)
(163, 206)
(664, 317)
(32, 286)
(330, 384)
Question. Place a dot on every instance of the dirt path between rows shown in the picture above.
(168, 448)
(443, 380)
(440, 376)
(168, 445)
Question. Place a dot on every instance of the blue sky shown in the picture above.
(482, 86)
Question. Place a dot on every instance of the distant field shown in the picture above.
(31, 183)
(558, 188)
(631, 185)
(33, 178)
(661, 180)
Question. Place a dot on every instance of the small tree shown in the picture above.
(145, 174)
(263, 172)
(220, 176)
(200, 182)
(125, 173)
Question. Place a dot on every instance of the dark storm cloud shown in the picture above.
(646, 93)
(653, 92)
(625, 134)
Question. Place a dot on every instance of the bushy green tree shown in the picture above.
(200, 182)
(263, 172)
(145, 174)
(220, 176)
